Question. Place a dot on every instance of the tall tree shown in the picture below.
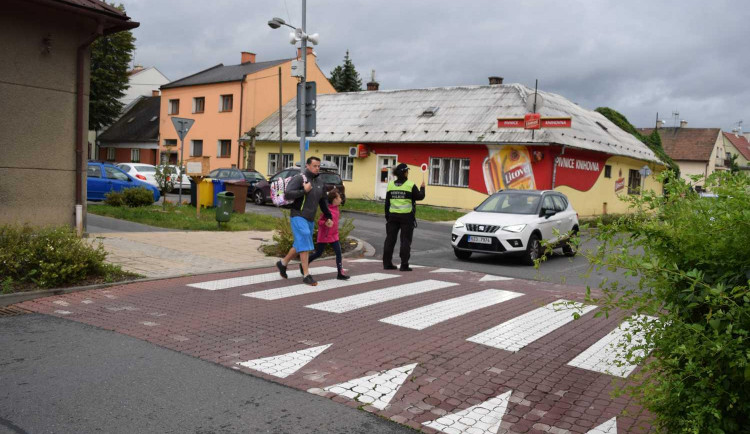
(345, 78)
(110, 57)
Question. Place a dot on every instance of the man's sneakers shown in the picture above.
(389, 267)
(308, 280)
(282, 269)
(342, 276)
(404, 268)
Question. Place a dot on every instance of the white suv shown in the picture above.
(515, 222)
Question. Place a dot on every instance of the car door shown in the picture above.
(96, 186)
(565, 215)
(548, 224)
(117, 179)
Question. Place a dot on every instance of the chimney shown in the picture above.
(496, 80)
(248, 57)
(155, 92)
(373, 85)
(299, 50)
(683, 123)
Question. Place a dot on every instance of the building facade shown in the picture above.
(698, 151)
(453, 138)
(737, 144)
(226, 102)
(134, 137)
(44, 89)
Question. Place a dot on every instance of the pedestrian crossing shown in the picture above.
(512, 335)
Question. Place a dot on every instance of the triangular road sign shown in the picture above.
(376, 390)
(182, 126)
(286, 364)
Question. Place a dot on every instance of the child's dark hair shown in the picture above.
(333, 194)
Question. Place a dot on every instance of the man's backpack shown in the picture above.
(278, 191)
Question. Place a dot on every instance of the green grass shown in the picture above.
(184, 218)
(424, 212)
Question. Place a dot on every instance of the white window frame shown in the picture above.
(192, 148)
(344, 163)
(222, 103)
(273, 157)
(110, 154)
(168, 143)
(451, 172)
(135, 155)
(174, 106)
(195, 104)
(218, 148)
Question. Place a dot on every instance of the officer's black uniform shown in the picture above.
(400, 221)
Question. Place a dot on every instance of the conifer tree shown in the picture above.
(345, 78)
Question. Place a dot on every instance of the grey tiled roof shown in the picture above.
(222, 74)
(139, 124)
(464, 114)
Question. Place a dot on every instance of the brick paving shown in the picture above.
(430, 379)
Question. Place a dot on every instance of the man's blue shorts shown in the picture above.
(302, 229)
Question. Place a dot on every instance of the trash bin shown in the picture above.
(218, 188)
(193, 199)
(224, 202)
(205, 195)
(239, 188)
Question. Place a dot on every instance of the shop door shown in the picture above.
(386, 163)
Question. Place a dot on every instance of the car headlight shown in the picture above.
(458, 224)
(514, 228)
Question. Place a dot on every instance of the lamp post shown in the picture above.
(299, 35)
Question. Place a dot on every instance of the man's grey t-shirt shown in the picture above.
(306, 204)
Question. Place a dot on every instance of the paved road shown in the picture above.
(59, 376)
(434, 349)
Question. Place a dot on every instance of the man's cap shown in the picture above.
(400, 169)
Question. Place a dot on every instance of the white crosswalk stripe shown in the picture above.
(484, 417)
(492, 278)
(358, 301)
(294, 290)
(215, 285)
(520, 331)
(376, 390)
(608, 427)
(603, 356)
(426, 316)
(287, 364)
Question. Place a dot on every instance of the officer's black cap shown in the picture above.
(400, 169)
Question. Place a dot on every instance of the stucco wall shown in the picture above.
(37, 114)
(688, 168)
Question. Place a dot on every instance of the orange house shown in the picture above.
(226, 102)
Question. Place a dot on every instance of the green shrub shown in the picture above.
(138, 196)
(114, 198)
(47, 257)
(694, 274)
(283, 238)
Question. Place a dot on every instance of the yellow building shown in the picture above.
(737, 144)
(226, 102)
(465, 143)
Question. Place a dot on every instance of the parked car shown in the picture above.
(328, 173)
(101, 178)
(516, 222)
(141, 171)
(184, 182)
(233, 174)
(253, 177)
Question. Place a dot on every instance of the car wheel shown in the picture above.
(258, 197)
(533, 250)
(570, 249)
(462, 254)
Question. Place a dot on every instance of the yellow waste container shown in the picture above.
(205, 194)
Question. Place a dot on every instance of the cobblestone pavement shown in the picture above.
(439, 350)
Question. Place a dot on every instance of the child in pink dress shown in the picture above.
(329, 234)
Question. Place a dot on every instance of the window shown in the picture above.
(170, 142)
(199, 104)
(345, 164)
(560, 203)
(174, 107)
(135, 155)
(452, 172)
(547, 203)
(607, 171)
(110, 154)
(94, 172)
(273, 165)
(113, 173)
(224, 149)
(196, 148)
(226, 103)
(634, 182)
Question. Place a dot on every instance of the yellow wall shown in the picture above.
(362, 186)
(729, 147)
(260, 98)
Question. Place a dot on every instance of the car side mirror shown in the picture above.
(549, 213)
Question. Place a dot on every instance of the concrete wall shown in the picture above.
(38, 112)
(260, 99)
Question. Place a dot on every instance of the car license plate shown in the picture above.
(480, 240)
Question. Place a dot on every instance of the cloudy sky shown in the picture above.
(639, 57)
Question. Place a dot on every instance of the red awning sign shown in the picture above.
(532, 121)
(510, 122)
(557, 122)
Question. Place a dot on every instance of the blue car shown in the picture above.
(104, 177)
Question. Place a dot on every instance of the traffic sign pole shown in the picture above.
(182, 126)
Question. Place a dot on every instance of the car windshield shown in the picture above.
(145, 169)
(330, 178)
(511, 203)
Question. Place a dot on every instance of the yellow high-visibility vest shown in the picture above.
(400, 197)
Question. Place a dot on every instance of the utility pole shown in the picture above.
(301, 91)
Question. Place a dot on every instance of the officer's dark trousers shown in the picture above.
(396, 222)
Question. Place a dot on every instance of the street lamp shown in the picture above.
(299, 35)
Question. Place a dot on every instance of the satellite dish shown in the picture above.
(530, 103)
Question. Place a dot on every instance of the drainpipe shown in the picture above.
(239, 133)
(80, 132)
(554, 167)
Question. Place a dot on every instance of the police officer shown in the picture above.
(400, 207)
